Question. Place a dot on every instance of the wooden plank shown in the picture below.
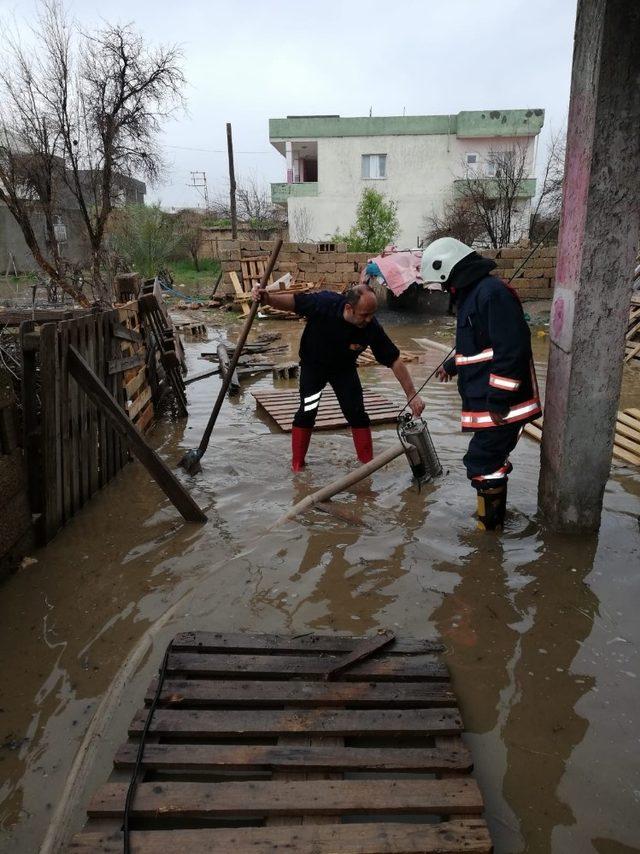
(224, 364)
(51, 445)
(450, 837)
(92, 413)
(118, 366)
(136, 383)
(126, 334)
(83, 413)
(156, 467)
(341, 722)
(313, 797)
(237, 287)
(236, 642)
(73, 449)
(267, 694)
(139, 403)
(389, 668)
(240, 757)
(366, 648)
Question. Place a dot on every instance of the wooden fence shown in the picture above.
(15, 515)
(72, 448)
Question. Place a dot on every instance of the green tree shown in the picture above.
(145, 237)
(376, 224)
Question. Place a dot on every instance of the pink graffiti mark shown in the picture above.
(557, 323)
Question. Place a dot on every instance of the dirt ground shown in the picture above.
(541, 630)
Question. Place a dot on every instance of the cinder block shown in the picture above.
(326, 267)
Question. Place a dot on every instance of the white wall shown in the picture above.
(420, 175)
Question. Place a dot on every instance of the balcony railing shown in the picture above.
(281, 192)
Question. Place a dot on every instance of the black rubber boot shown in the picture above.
(492, 506)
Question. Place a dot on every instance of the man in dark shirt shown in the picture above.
(339, 328)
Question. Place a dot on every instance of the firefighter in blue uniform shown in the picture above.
(494, 366)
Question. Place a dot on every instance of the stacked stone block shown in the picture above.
(336, 270)
(537, 277)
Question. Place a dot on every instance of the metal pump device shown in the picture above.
(419, 448)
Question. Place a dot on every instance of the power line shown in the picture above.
(212, 150)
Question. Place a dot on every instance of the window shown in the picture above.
(490, 168)
(374, 165)
(472, 158)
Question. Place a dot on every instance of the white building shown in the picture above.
(414, 160)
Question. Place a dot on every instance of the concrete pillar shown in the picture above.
(597, 246)
(289, 154)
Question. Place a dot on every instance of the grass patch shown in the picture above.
(195, 282)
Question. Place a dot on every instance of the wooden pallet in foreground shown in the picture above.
(253, 750)
(282, 405)
(626, 442)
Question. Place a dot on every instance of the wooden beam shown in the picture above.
(163, 476)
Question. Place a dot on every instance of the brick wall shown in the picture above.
(536, 279)
(338, 268)
(335, 269)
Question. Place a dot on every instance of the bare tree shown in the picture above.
(494, 199)
(459, 219)
(94, 101)
(546, 211)
(302, 222)
(253, 200)
(192, 237)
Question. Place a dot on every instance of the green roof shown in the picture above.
(476, 123)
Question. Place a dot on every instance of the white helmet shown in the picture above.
(440, 257)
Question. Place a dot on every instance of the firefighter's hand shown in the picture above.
(258, 293)
(497, 419)
(442, 375)
(417, 406)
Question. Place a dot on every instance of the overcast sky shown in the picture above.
(251, 60)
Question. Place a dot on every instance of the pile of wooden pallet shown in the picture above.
(262, 743)
(367, 358)
(252, 272)
(165, 359)
(133, 365)
(632, 347)
(626, 442)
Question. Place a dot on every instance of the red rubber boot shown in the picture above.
(363, 442)
(300, 438)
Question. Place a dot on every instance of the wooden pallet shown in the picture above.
(139, 403)
(626, 443)
(632, 344)
(252, 750)
(252, 271)
(367, 358)
(283, 404)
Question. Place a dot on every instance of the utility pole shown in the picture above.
(597, 246)
(232, 185)
(199, 182)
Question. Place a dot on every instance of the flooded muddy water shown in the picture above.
(541, 631)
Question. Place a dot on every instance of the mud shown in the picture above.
(541, 631)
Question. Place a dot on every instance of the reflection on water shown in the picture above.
(541, 631)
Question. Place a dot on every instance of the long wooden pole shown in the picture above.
(108, 405)
(232, 185)
(190, 461)
(344, 482)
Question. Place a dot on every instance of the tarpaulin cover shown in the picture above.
(398, 269)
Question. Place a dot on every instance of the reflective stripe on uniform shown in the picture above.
(517, 413)
(506, 383)
(483, 356)
(312, 401)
